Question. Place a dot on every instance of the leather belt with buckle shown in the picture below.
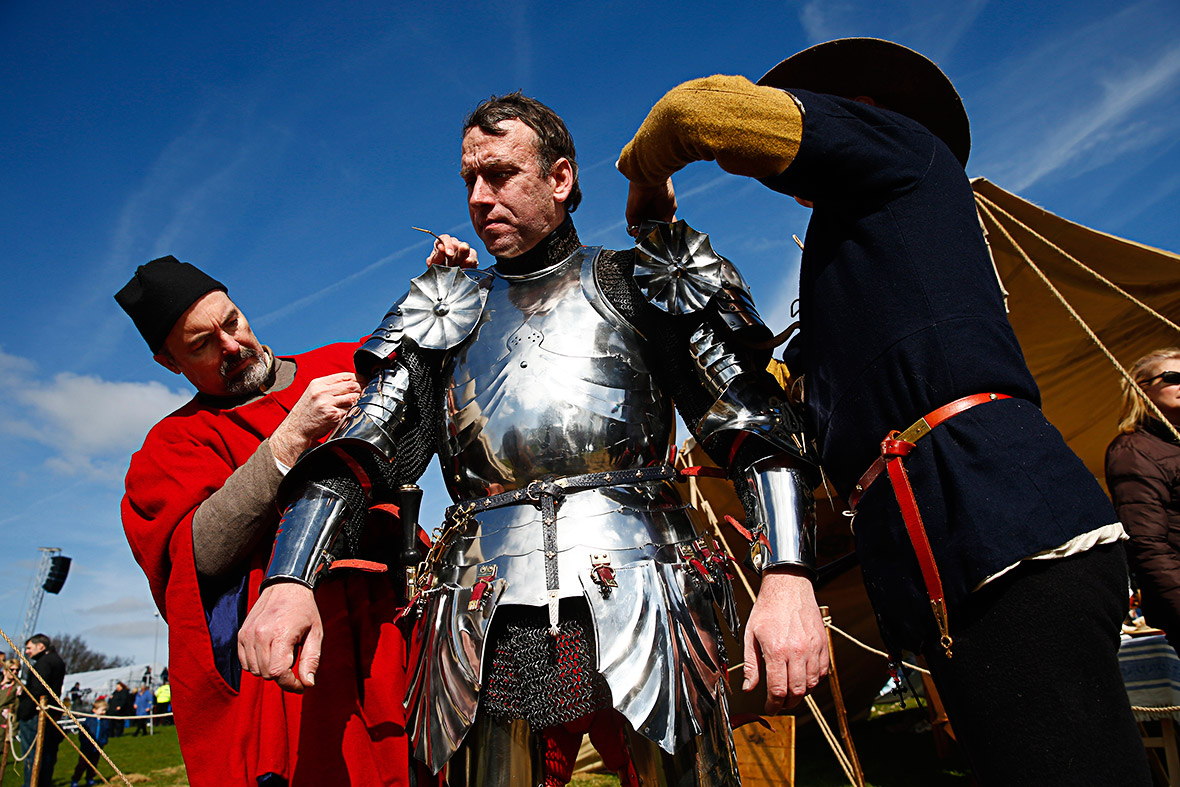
(894, 448)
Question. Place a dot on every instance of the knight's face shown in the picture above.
(513, 203)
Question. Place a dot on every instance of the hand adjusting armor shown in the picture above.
(678, 272)
(440, 310)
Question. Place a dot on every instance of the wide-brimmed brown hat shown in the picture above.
(894, 76)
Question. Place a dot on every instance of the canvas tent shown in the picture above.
(1057, 275)
(1079, 384)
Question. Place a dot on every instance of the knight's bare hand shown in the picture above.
(785, 635)
(451, 251)
(283, 622)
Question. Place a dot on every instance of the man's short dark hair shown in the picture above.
(41, 639)
(553, 138)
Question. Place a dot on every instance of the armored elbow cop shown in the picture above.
(678, 272)
(780, 509)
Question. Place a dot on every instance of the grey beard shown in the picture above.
(249, 379)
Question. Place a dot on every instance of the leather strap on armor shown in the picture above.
(894, 448)
(547, 495)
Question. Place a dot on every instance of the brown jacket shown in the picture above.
(1143, 475)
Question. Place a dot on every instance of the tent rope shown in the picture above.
(10, 729)
(81, 730)
(873, 650)
(989, 204)
(78, 749)
(985, 206)
(82, 715)
(1163, 710)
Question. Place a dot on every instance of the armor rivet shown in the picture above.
(524, 364)
(442, 309)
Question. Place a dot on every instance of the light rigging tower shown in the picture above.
(50, 576)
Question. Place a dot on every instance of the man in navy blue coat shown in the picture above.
(986, 544)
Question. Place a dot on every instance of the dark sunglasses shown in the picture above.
(1169, 378)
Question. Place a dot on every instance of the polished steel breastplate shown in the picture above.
(545, 386)
(548, 385)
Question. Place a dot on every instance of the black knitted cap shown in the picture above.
(159, 293)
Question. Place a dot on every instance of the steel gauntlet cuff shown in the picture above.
(783, 530)
(308, 531)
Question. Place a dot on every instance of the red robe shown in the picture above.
(349, 727)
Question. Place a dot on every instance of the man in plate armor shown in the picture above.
(567, 591)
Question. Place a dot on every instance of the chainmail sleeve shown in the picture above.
(416, 441)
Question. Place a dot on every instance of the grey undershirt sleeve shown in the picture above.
(231, 522)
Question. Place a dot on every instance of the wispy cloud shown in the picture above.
(932, 27)
(130, 629)
(1092, 96)
(119, 606)
(520, 14)
(1099, 133)
(349, 281)
(89, 424)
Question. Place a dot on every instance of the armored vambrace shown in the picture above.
(783, 529)
(310, 530)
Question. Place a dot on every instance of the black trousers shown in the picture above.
(1033, 688)
(83, 769)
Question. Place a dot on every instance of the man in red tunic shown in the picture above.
(200, 516)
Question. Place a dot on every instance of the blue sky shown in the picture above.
(287, 148)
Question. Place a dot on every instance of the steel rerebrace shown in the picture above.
(547, 494)
(894, 448)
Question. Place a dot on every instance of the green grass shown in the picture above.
(153, 761)
(896, 750)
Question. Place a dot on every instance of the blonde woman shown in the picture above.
(1143, 475)
(9, 692)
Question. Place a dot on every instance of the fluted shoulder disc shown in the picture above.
(676, 268)
(442, 307)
